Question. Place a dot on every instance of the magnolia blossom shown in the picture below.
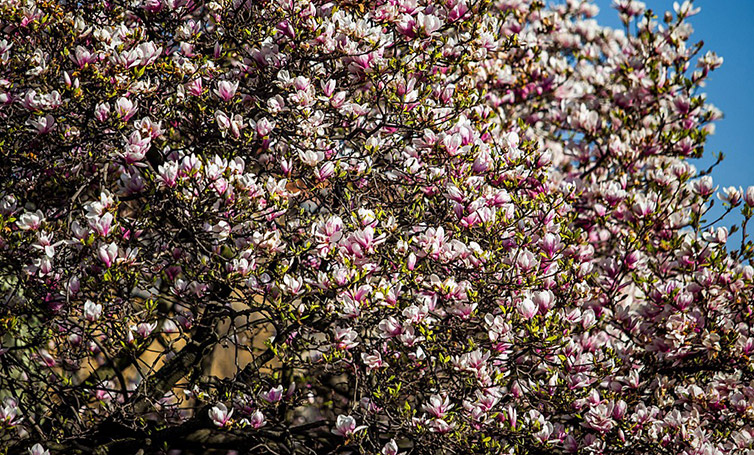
(38, 449)
(345, 338)
(527, 308)
(125, 108)
(441, 426)
(390, 327)
(257, 419)
(732, 195)
(30, 220)
(346, 426)
(10, 414)
(226, 90)
(220, 415)
(292, 284)
(102, 112)
(372, 361)
(81, 56)
(46, 358)
(42, 125)
(108, 253)
(544, 300)
(391, 448)
(102, 224)
(325, 171)
(233, 124)
(92, 311)
(438, 406)
(749, 196)
(703, 186)
(273, 395)
(263, 126)
(598, 418)
(144, 329)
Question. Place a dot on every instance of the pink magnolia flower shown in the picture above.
(391, 448)
(346, 426)
(464, 310)
(459, 11)
(441, 426)
(328, 88)
(108, 253)
(372, 361)
(409, 336)
(10, 413)
(220, 415)
(544, 300)
(47, 359)
(43, 125)
(438, 406)
(257, 419)
(301, 83)
(511, 415)
(81, 56)
(38, 449)
(292, 284)
(102, 224)
(703, 186)
(263, 127)
(148, 53)
(195, 87)
(643, 207)
(226, 90)
(338, 100)
(92, 311)
(363, 242)
(30, 100)
(273, 395)
(390, 327)
(550, 244)
(287, 29)
(731, 195)
(411, 261)
(149, 128)
(152, 6)
(44, 244)
(325, 171)
(749, 196)
(685, 9)
(235, 123)
(527, 308)
(30, 221)
(619, 410)
(144, 329)
(630, 7)
(526, 260)
(407, 25)
(101, 112)
(125, 108)
(598, 418)
(170, 326)
(168, 173)
(345, 338)
(131, 182)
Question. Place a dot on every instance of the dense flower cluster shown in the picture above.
(380, 226)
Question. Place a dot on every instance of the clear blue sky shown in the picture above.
(726, 27)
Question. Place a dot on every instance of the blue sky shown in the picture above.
(726, 27)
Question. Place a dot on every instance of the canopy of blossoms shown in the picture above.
(379, 226)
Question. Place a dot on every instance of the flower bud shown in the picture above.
(749, 196)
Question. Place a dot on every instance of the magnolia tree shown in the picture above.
(380, 227)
